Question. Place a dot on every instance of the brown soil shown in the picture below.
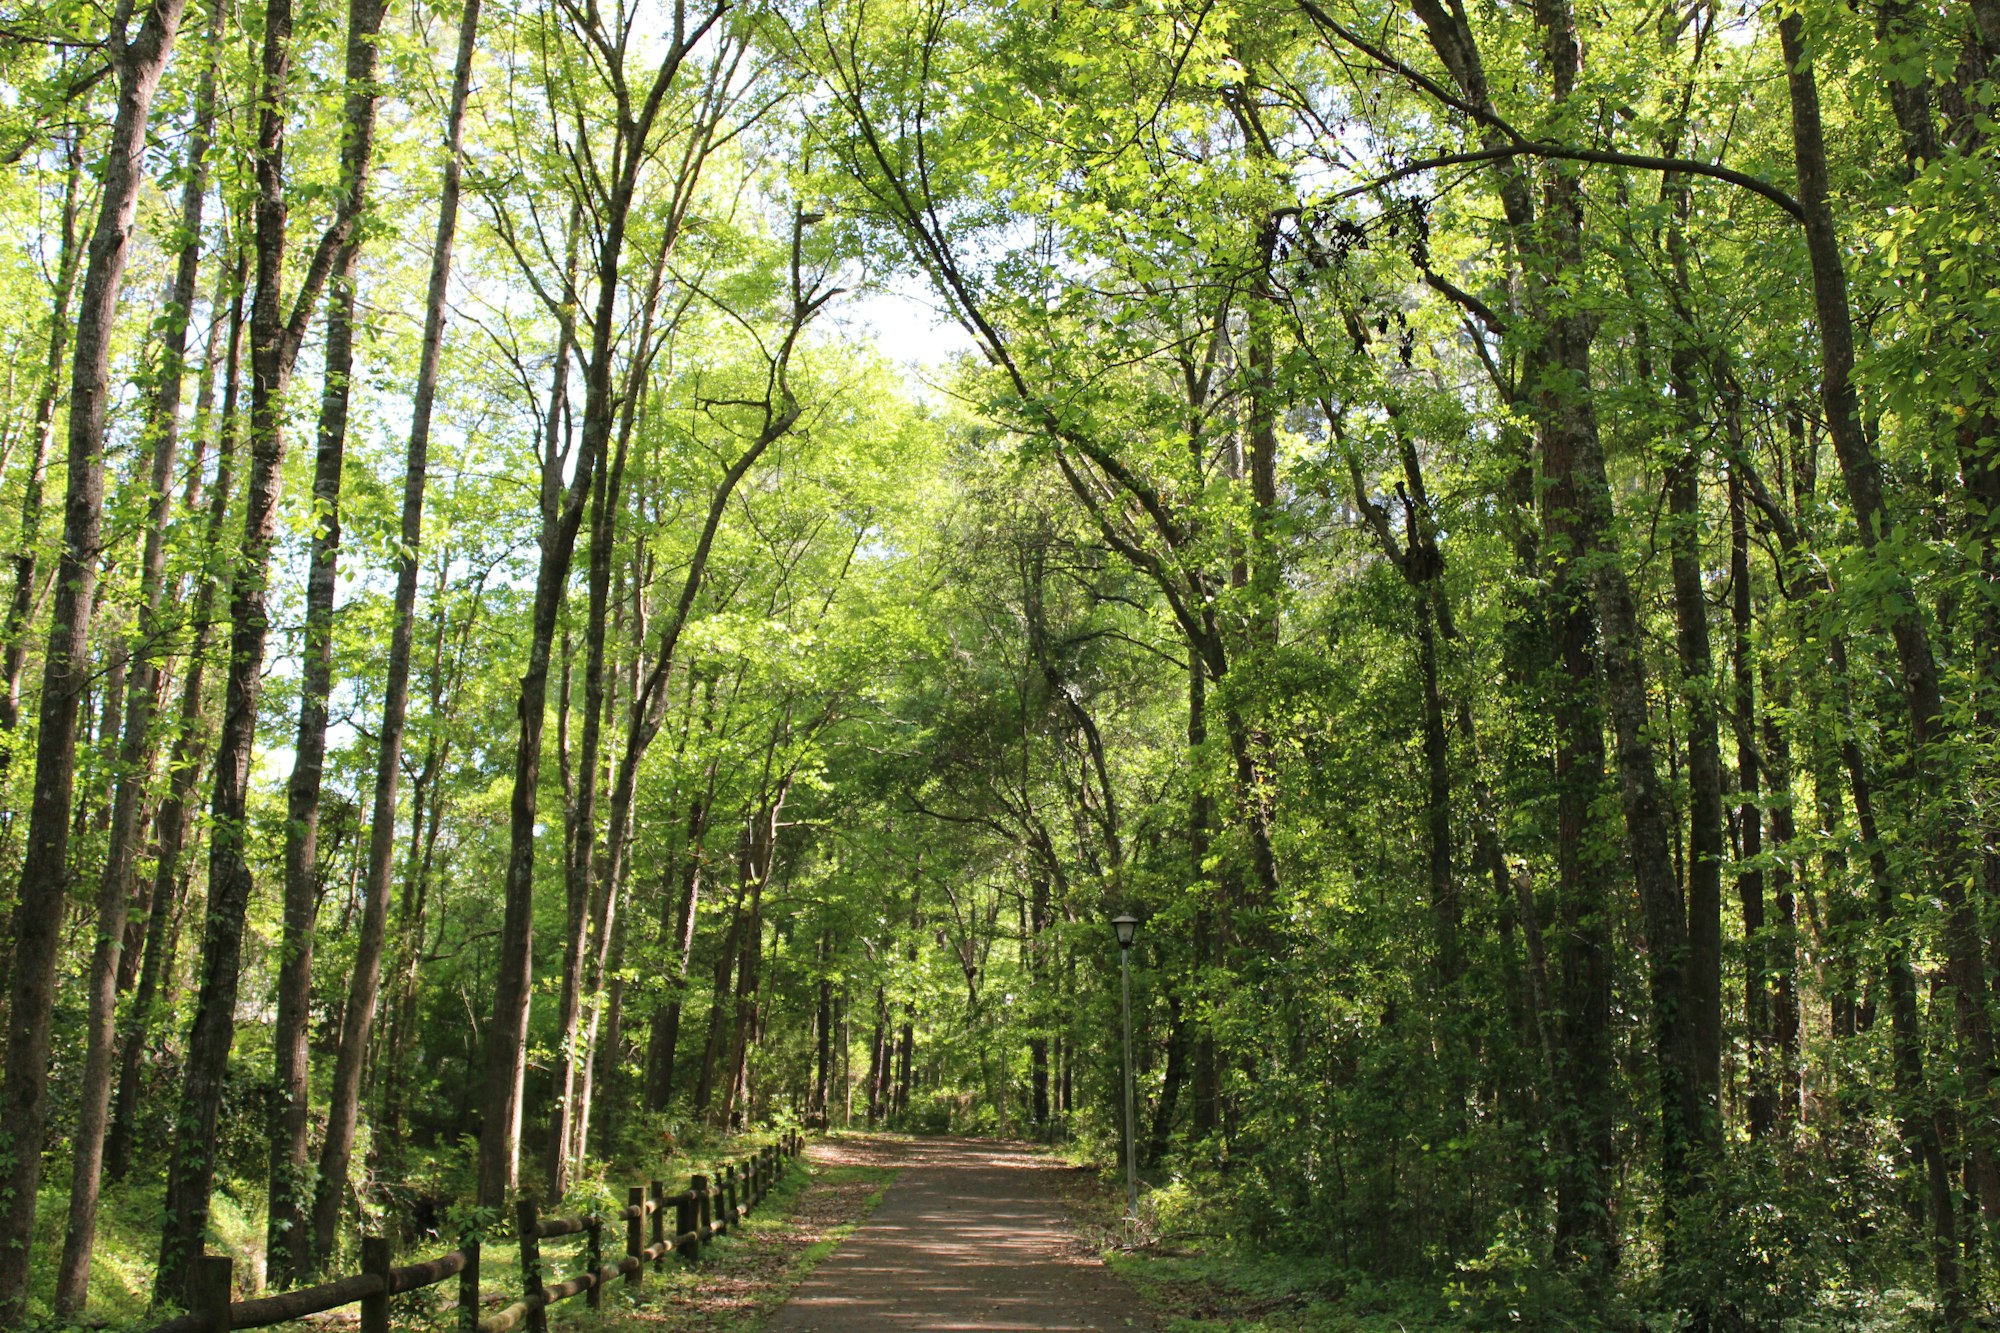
(972, 1236)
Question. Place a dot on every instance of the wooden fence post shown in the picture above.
(635, 1233)
(705, 1215)
(660, 1225)
(729, 1193)
(687, 1222)
(375, 1261)
(593, 1259)
(468, 1286)
(208, 1291)
(755, 1189)
(530, 1225)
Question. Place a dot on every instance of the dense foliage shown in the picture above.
(1476, 524)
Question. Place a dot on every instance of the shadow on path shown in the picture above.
(972, 1236)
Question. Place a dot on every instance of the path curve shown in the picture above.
(971, 1236)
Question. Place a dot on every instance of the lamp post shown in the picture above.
(1127, 926)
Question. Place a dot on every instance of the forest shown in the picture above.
(582, 576)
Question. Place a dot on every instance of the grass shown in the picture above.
(128, 1238)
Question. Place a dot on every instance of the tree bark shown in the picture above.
(1861, 471)
(1706, 846)
(1757, 998)
(506, 1036)
(134, 768)
(288, 1243)
(184, 761)
(138, 61)
(27, 558)
(274, 346)
(663, 1038)
(364, 982)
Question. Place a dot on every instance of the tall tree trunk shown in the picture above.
(1706, 846)
(822, 1081)
(1917, 1114)
(288, 1244)
(507, 1034)
(1206, 1114)
(607, 500)
(184, 760)
(1881, 538)
(604, 1059)
(877, 1057)
(42, 427)
(1750, 822)
(134, 767)
(274, 347)
(358, 1018)
(719, 1002)
(663, 1039)
(138, 61)
(611, 209)
(734, 1109)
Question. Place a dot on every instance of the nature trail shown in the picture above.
(972, 1236)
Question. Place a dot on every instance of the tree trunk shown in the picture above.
(288, 1244)
(507, 1034)
(1706, 848)
(27, 559)
(822, 1084)
(611, 209)
(1861, 470)
(274, 346)
(134, 767)
(138, 62)
(607, 500)
(184, 761)
(663, 1038)
(719, 1001)
(1750, 821)
(364, 982)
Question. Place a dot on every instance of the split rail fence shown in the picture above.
(707, 1208)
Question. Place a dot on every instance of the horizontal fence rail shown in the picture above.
(707, 1208)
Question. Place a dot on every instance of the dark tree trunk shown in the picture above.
(358, 1016)
(274, 345)
(719, 1007)
(134, 767)
(288, 1243)
(606, 501)
(1706, 847)
(507, 1034)
(663, 1039)
(1862, 472)
(42, 428)
(1757, 998)
(185, 757)
(822, 1085)
(1916, 1115)
(138, 60)
(878, 1058)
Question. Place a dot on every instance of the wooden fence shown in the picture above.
(707, 1208)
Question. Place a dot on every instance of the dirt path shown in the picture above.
(972, 1236)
